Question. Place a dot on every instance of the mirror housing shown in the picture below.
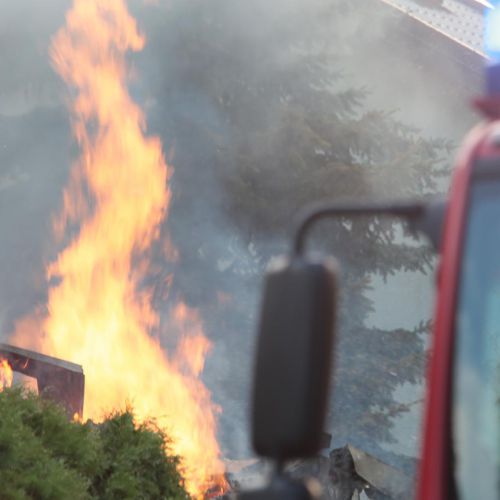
(431, 221)
(294, 357)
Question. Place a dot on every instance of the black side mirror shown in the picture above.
(294, 356)
(296, 337)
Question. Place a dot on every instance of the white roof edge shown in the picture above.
(460, 23)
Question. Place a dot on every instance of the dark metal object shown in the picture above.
(331, 210)
(426, 217)
(283, 487)
(431, 221)
(58, 380)
(326, 440)
(294, 360)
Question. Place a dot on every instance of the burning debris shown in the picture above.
(352, 473)
(58, 380)
(347, 473)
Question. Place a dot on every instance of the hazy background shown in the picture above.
(222, 259)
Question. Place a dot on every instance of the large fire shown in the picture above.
(6, 374)
(98, 315)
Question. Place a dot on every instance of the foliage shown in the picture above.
(45, 456)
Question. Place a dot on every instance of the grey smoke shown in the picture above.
(36, 151)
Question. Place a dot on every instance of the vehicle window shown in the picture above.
(476, 415)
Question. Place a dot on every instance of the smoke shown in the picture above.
(201, 61)
(34, 151)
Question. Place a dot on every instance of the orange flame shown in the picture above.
(97, 316)
(6, 374)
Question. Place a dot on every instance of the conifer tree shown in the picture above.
(254, 96)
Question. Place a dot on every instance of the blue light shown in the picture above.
(492, 31)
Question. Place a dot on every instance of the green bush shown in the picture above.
(45, 456)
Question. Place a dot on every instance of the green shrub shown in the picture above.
(45, 456)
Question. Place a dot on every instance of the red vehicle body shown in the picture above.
(436, 480)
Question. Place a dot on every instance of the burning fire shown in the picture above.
(98, 314)
(6, 374)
